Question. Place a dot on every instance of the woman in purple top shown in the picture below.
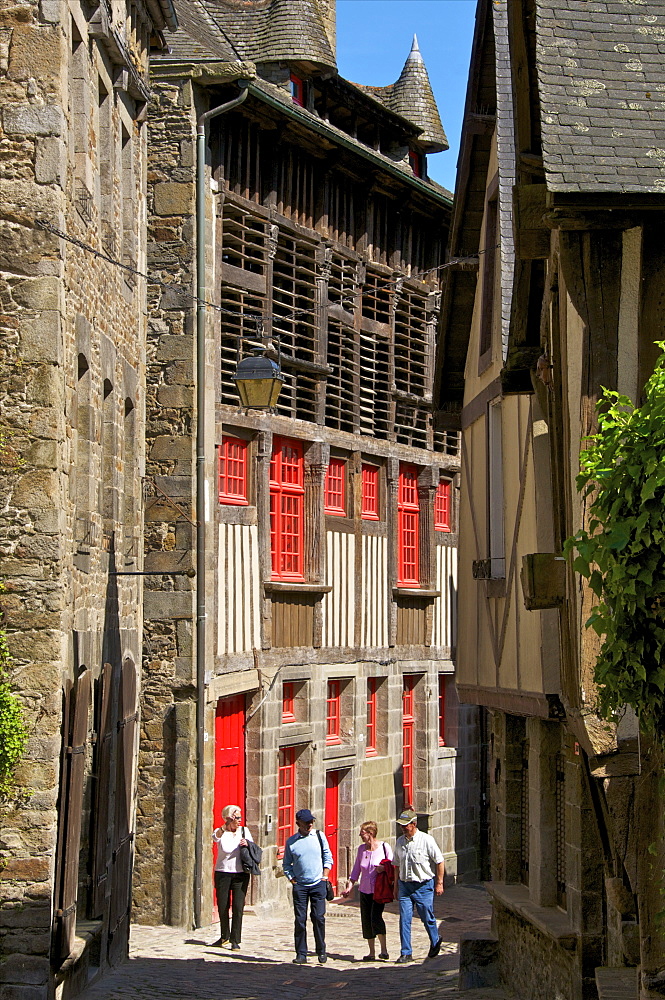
(370, 854)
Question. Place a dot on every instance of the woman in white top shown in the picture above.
(370, 855)
(230, 880)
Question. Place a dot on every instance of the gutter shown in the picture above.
(201, 480)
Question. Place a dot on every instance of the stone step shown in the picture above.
(617, 983)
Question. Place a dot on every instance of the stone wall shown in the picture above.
(71, 404)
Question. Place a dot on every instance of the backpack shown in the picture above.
(250, 857)
(385, 877)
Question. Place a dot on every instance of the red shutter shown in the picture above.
(331, 826)
(287, 499)
(408, 517)
(288, 715)
(442, 710)
(286, 797)
(370, 744)
(297, 90)
(408, 728)
(233, 471)
(333, 713)
(442, 506)
(334, 492)
(370, 493)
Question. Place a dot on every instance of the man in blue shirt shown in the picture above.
(307, 861)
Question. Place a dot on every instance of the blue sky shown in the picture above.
(374, 39)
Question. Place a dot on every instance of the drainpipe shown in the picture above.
(201, 479)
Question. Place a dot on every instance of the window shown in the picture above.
(233, 471)
(442, 710)
(370, 745)
(297, 90)
(489, 274)
(369, 510)
(288, 701)
(416, 163)
(286, 797)
(497, 551)
(408, 516)
(333, 713)
(408, 730)
(442, 506)
(287, 498)
(334, 492)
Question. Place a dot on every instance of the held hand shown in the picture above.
(438, 889)
(242, 842)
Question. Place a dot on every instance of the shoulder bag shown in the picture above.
(385, 877)
(330, 892)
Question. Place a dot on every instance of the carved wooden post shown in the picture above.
(392, 483)
(263, 456)
(316, 463)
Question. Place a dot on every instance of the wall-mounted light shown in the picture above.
(259, 380)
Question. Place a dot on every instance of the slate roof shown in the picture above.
(255, 30)
(412, 98)
(601, 78)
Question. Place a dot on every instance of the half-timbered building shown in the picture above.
(324, 677)
(559, 193)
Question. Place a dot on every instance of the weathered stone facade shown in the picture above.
(72, 87)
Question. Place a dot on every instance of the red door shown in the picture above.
(408, 725)
(332, 819)
(229, 758)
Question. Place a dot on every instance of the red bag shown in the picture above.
(385, 876)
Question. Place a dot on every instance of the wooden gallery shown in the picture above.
(325, 628)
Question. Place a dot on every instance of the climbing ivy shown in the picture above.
(13, 734)
(622, 551)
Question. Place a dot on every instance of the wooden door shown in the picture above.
(331, 828)
(408, 727)
(229, 758)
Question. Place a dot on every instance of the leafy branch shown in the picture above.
(622, 551)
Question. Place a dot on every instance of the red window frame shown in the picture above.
(232, 471)
(408, 734)
(416, 163)
(442, 505)
(335, 488)
(442, 710)
(369, 507)
(286, 797)
(297, 90)
(334, 713)
(287, 510)
(288, 702)
(370, 740)
(408, 528)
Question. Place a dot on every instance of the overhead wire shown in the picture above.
(296, 314)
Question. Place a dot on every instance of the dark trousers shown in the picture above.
(316, 895)
(231, 887)
(371, 916)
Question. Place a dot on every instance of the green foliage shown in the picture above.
(13, 734)
(622, 554)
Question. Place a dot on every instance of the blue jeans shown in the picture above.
(316, 895)
(420, 894)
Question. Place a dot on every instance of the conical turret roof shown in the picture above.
(294, 30)
(412, 97)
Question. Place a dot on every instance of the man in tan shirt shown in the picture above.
(420, 870)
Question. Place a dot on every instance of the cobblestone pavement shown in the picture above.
(172, 964)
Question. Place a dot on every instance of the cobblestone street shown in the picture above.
(171, 964)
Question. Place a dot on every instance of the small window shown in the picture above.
(334, 713)
(370, 493)
(370, 745)
(288, 701)
(286, 797)
(335, 491)
(233, 471)
(297, 90)
(408, 528)
(442, 710)
(416, 163)
(442, 506)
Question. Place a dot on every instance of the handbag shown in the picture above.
(250, 856)
(385, 878)
(330, 892)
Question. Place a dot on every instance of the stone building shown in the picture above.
(559, 191)
(323, 608)
(73, 92)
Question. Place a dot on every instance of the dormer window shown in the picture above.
(297, 90)
(417, 162)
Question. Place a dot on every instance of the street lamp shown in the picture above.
(258, 380)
